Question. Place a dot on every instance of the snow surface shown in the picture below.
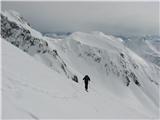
(31, 88)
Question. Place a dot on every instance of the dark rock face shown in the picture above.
(134, 78)
(122, 55)
(130, 76)
(75, 78)
(127, 81)
(124, 67)
(22, 38)
(95, 55)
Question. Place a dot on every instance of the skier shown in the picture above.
(86, 80)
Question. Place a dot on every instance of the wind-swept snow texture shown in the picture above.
(123, 85)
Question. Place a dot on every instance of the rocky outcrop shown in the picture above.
(21, 37)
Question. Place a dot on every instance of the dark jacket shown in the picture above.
(86, 78)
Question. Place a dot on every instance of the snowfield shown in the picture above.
(35, 91)
(42, 76)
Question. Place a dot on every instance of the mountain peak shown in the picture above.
(15, 16)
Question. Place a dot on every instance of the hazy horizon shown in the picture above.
(117, 18)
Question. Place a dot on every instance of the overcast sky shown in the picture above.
(121, 18)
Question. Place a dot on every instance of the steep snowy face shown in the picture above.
(110, 64)
(15, 30)
(147, 47)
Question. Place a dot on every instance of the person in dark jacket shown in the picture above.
(86, 80)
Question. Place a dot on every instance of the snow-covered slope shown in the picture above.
(15, 30)
(123, 85)
(46, 94)
(111, 64)
(147, 47)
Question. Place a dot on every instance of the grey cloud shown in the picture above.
(125, 18)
